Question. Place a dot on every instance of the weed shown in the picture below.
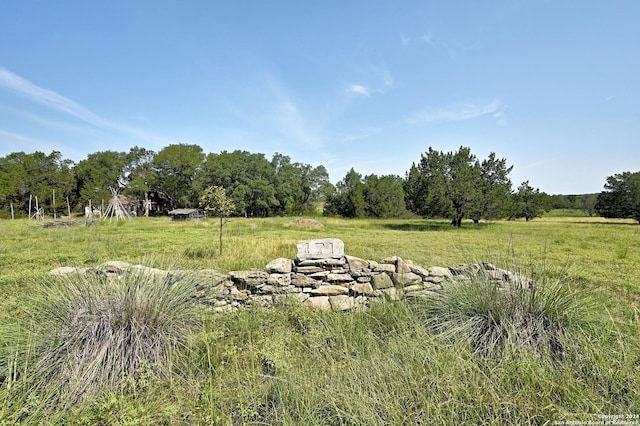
(622, 253)
(200, 252)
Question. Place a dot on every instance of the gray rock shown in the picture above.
(114, 266)
(342, 303)
(251, 278)
(391, 292)
(384, 267)
(355, 263)
(215, 292)
(307, 269)
(339, 277)
(301, 280)
(329, 290)
(265, 301)
(64, 270)
(318, 302)
(431, 286)
(382, 281)
(299, 297)
(419, 270)
(281, 280)
(322, 262)
(413, 288)
(365, 288)
(390, 260)
(280, 265)
(406, 279)
(319, 275)
(433, 279)
(497, 274)
(236, 294)
(439, 271)
(360, 300)
(403, 267)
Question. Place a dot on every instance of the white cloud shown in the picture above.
(59, 103)
(49, 98)
(461, 112)
(359, 89)
(289, 119)
(404, 39)
(501, 117)
(427, 38)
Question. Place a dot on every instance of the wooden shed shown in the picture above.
(186, 214)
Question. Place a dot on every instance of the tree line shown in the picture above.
(455, 185)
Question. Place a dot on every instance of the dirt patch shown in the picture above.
(307, 223)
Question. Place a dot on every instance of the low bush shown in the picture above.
(521, 315)
(87, 335)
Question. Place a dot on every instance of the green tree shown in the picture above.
(249, 180)
(464, 188)
(138, 171)
(456, 185)
(621, 198)
(528, 202)
(348, 201)
(426, 185)
(299, 186)
(495, 187)
(174, 172)
(384, 196)
(98, 173)
(587, 203)
(38, 175)
(214, 201)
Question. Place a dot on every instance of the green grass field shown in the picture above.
(380, 366)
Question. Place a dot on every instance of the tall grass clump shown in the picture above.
(520, 316)
(87, 335)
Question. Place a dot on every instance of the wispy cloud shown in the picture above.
(288, 118)
(54, 124)
(461, 112)
(27, 142)
(453, 47)
(49, 98)
(61, 104)
(358, 89)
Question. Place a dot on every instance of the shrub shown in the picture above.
(533, 317)
(90, 334)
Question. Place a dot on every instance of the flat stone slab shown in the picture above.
(331, 248)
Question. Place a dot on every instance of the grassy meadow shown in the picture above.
(383, 365)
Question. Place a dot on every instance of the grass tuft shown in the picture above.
(92, 334)
(533, 317)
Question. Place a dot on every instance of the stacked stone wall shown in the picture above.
(321, 276)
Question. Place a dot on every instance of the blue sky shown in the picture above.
(552, 86)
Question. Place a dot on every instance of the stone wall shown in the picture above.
(321, 276)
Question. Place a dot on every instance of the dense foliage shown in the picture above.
(179, 173)
(621, 198)
(454, 185)
(371, 196)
